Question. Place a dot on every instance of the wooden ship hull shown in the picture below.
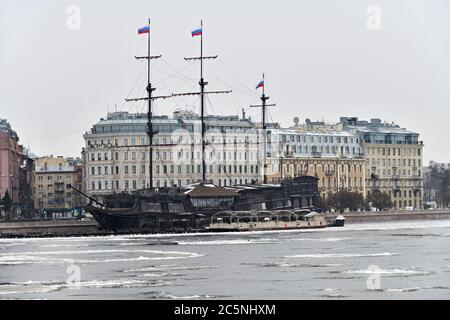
(191, 209)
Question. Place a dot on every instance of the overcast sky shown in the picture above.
(320, 58)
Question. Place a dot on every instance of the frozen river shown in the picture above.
(394, 260)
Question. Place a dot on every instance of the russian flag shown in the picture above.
(260, 85)
(144, 30)
(197, 32)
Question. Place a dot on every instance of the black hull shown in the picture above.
(339, 223)
(191, 209)
(147, 222)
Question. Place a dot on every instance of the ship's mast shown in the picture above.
(202, 94)
(263, 107)
(150, 89)
(202, 84)
(150, 99)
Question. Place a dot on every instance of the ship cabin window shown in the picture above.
(151, 207)
(224, 203)
(176, 208)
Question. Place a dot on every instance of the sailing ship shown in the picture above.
(191, 208)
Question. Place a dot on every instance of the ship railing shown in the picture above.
(230, 217)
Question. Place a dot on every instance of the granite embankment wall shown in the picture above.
(90, 227)
(359, 217)
(48, 228)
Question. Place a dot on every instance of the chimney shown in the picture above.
(243, 114)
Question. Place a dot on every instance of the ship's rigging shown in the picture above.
(202, 93)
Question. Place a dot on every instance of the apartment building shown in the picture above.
(336, 158)
(116, 153)
(394, 158)
(52, 179)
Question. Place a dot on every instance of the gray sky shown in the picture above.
(321, 62)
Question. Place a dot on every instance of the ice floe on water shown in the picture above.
(246, 241)
(172, 267)
(23, 259)
(412, 289)
(169, 296)
(394, 272)
(91, 256)
(37, 287)
(343, 255)
(291, 265)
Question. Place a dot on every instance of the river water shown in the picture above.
(393, 260)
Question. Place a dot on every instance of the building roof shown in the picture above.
(382, 129)
(208, 190)
(138, 121)
(373, 126)
(5, 127)
(312, 133)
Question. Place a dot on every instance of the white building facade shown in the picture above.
(116, 153)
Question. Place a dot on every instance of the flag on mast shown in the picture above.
(197, 32)
(260, 85)
(144, 30)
